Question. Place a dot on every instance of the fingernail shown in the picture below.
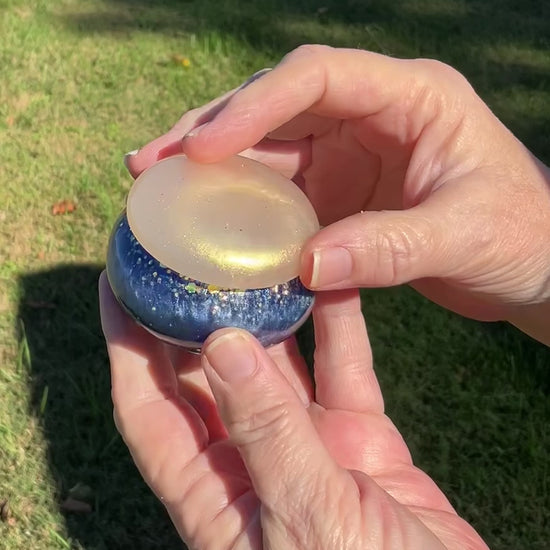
(330, 266)
(255, 76)
(195, 131)
(231, 355)
(128, 156)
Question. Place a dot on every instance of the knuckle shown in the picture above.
(263, 425)
(398, 248)
(449, 79)
(393, 255)
(439, 69)
(309, 50)
(188, 116)
(189, 119)
(311, 65)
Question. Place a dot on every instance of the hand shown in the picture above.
(244, 457)
(418, 180)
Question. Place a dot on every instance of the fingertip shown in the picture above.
(212, 142)
(231, 354)
(165, 146)
(327, 268)
(224, 332)
(132, 163)
(203, 151)
(307, 267)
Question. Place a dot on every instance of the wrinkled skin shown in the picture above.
(416, 181)
(453, 202)
(257, 461)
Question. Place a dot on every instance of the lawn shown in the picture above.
(84, 81)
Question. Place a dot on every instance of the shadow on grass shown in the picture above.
(466, 34)
(275, 24)
(472, 401)
(59, 310)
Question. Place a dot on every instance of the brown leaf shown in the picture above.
(5, 513)
(63, 207)
(10, 121)
(71, 504)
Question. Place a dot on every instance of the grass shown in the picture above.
(84, 81)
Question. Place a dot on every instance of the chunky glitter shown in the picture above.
(185, 311)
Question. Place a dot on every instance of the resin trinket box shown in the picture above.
(206, 246)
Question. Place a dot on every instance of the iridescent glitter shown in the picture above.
(185, 311)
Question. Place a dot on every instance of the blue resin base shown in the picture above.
(184, 311)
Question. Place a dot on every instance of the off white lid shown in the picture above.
(233, 224)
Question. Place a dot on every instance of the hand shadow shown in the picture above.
(70, 387)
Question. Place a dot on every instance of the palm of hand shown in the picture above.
(167, 414)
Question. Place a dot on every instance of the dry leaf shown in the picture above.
(10, 121)
(5, 514)
(63, 207)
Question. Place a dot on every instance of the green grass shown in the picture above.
(84, 81)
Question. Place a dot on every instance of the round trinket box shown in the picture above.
(205, 246)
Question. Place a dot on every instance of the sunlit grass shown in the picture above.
(83, 82)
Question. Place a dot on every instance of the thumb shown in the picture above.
(269, 424)
(386, 248)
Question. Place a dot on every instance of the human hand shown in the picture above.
(244, 456)
(418, 180)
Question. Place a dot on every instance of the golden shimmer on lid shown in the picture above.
(234, 224)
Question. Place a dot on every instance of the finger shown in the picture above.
(385, 519)
(268, 423)
(286, 356)
(169, 144)
(162, 431)
(194, 387)
(289, 158)
(334, 83)
(302, 125)
(344, 375)
(215, 498)
(291, 364)
(386, 248)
